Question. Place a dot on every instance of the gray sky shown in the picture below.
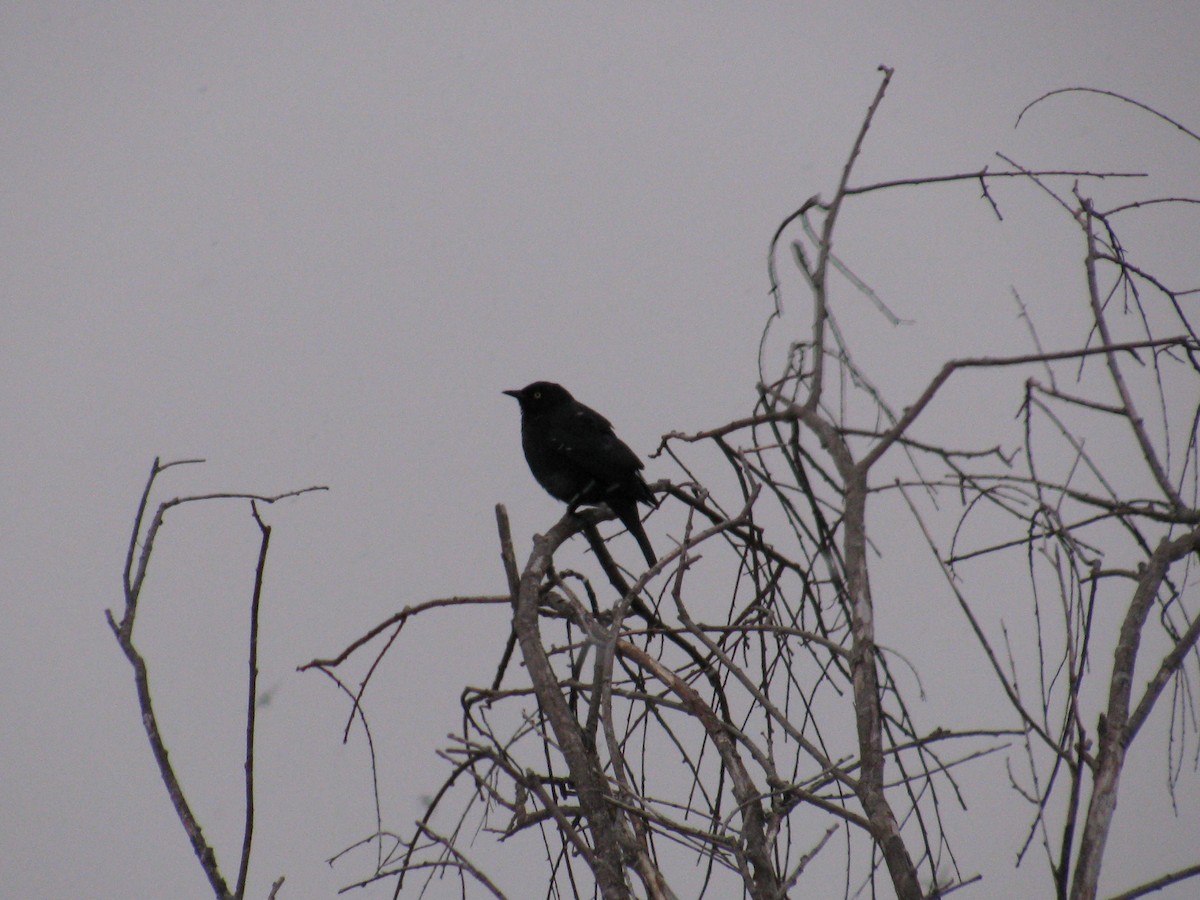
(312, 242)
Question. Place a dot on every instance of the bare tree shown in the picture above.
(733, 719)
(648, 738)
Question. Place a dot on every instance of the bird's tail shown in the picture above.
(628, 514)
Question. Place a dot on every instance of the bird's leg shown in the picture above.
(574, 502)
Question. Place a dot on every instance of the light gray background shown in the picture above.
(311, 242)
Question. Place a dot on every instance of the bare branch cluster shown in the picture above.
(725, 722)
(699, 715)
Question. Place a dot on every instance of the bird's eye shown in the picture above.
(537, 395)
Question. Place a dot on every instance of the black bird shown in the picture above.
(574, 454)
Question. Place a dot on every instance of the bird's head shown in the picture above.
(541, 396)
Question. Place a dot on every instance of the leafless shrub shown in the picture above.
(728, 719)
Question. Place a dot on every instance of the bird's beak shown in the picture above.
(516, 394)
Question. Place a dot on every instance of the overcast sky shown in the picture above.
(312, 242)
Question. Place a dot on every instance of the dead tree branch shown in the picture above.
(134, 581)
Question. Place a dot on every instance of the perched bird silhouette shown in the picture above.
(574, 454)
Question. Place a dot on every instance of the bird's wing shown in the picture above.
(587, 439)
